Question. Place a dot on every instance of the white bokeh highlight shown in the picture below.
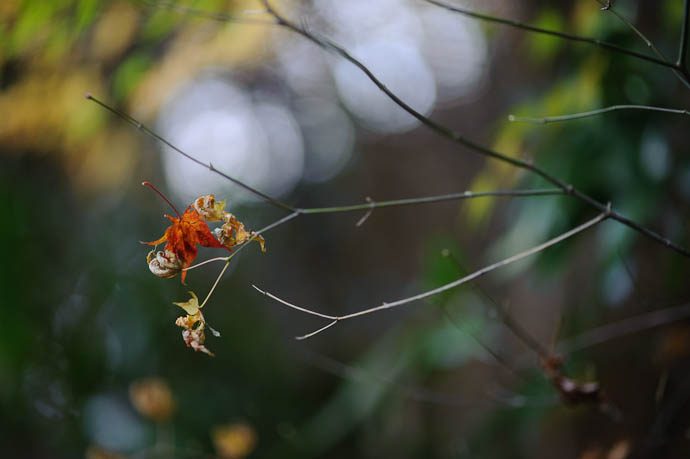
(258, 143)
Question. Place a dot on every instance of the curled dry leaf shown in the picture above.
(233, 233)
(164, 264)
(209, 209)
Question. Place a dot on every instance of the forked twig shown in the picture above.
(678, 68)
(573, 116)
(566, 36)
(443, 288)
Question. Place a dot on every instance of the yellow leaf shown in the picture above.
(191, 306)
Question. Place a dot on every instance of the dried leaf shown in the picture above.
(193, 333)
(184, 235)
(209, 209)
(233, 233)
(191, 306)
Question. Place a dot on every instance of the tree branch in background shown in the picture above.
(624, 327)
(684, 31)
(462, 140)
(554, 119)
(592, 41)
(678, 70)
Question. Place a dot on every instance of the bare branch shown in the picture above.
(553, 119)
(599, 335)
(443, 288)
(293, 306)
(680, 72)
(592, 41)
(209, 166)
(432, 199)
(685, 30)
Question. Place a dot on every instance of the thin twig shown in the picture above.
(205, 262)
(242, 246)
(680, 73)
(506, 318)
(294, 306)
(443, 288)
(554, 33)
(209, 166)
(599, 335)
(315, 332)
(432, 199)
(684, 31)
(462, 140)
(372, 206)
(256, 234)
(210, 292)
(572, 116)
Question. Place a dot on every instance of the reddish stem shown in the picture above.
(148, 184)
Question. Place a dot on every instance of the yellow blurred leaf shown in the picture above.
(234, 441)
(153, 398)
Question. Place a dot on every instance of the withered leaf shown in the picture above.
(184, 235)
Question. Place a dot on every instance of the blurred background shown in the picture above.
(91, 363)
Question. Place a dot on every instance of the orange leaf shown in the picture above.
(184, 235)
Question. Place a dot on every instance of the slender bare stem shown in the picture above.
(220, 274)
(315, 332)
(554, 33)
(443, 288)
(680, 73)
(205, 262)
(256, 234)
(246, 243)
(457, 137)
(553, 119)
(599, 335)
(432, 199)
(685, 30)
(506, 318)
(294, 306)
(209, 166)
